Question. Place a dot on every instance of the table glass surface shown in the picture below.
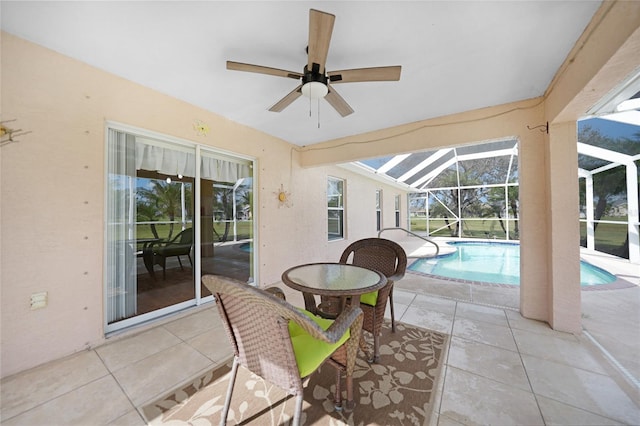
(334, 277)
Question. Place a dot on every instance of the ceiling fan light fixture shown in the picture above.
(315, 90)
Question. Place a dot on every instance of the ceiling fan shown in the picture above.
(315, 80)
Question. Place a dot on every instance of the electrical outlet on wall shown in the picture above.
(39, 300)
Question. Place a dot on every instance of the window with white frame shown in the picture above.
(397, 211)
(335, 208)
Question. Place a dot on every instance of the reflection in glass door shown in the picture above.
(157, 242)
(226, 203)
(164, 240)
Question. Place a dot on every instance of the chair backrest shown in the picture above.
(185, 237)
(380, 254)
(257, 326)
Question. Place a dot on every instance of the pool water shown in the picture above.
(497, 263)
(246, 247)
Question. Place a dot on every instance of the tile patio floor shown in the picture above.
(500, 368)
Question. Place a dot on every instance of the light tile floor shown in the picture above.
(500, 368)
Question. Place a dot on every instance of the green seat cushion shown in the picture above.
(369, 298)
(309, 351)
(296, 330)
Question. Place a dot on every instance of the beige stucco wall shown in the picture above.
(52, 196)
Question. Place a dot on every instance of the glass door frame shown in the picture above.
(197, 270)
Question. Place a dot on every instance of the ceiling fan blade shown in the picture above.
(287, 100)
(239, 66)
(320, 29)
(336, 101)
(391, 73)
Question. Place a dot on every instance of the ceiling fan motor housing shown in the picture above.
(313, 75)
(314, 83)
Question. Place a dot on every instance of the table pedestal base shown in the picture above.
(329, 307)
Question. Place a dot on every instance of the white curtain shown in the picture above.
(171, 160)
(121, 223)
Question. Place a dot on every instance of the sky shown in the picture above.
(610, 128)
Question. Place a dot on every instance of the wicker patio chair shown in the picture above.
(180, 245)
(390, 259)
(281, 343)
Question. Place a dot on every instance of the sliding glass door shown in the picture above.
(175, 211)
(226, 206)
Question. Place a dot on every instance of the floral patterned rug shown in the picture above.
(399, 390)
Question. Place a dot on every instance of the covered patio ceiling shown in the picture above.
(456, 56)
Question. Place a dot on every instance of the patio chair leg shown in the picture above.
(376, 348)
(296, 414)
(227, 401)
(350, 405)
(365, 349)
(147, 258)
(337, 399)
(180, 262)
(158, 260)
(393, 316)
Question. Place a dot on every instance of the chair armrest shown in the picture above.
(335, 331)
(343, 322)
(276, 291)
(157, 243)
(396, 277)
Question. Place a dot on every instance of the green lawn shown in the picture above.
(244, 230)
(470, 228)
(609, 237)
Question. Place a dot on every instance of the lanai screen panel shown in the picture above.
(446, 179)
(483, 148)
(408, 163)
(428, 170)
(484, 171)
(376, 163)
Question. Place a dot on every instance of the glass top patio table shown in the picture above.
(336, 280)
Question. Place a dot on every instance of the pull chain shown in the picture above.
(310, 108)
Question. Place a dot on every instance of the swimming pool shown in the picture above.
(497, 263)
(246, 247)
